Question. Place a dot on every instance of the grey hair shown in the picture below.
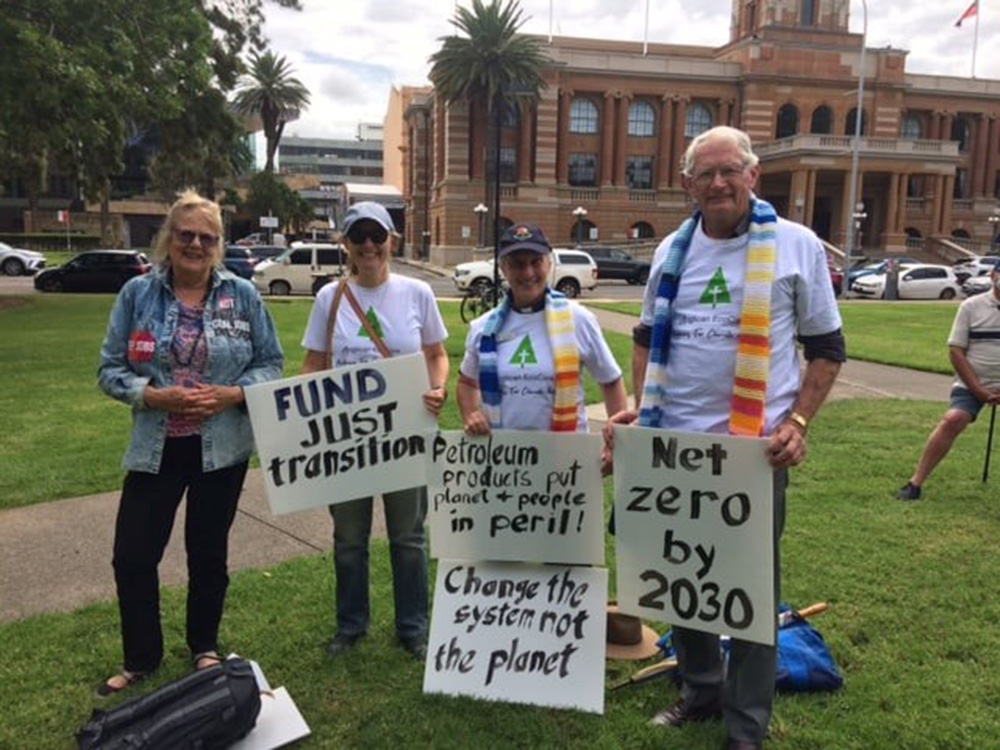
(719, 133)
(190, 202)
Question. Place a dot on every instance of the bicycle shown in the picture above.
(480, 300)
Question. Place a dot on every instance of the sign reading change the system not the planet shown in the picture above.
(516, 495)
(520, 633)
(338, 435)
(694, 537)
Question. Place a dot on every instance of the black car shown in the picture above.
(94, 271)
(240, 261)
(615, 263)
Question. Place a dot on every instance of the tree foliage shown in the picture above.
(269, 196)
(271, 92)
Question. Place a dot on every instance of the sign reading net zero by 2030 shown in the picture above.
(694, 538)
(520, 633)
(338, 435)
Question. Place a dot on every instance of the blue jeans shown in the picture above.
(404, 519)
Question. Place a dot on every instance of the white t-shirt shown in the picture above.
(526, 371)
(706, 323)
(402, 310)
(977, 330)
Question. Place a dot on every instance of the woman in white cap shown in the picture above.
(399, 316)
(521, 369)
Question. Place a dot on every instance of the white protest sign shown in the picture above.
(516, 495)
(341, 434)
(694, 531)
(519, 633)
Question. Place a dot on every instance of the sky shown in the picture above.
(349, 53)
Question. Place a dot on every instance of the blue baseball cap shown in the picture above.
(368, 210)
(523, 237)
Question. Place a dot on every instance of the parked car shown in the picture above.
(266, 252)
(977, 265)
(615, 263)
(836, 276)
(977, 285)
(240, 261)
(572, 272)
(261, 238)
(917, 281)
(17, 262)
(295, 270)
(875, 267)
(94, 271)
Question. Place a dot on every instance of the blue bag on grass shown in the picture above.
(805, 664)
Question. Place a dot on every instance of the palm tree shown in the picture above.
(489, 63)
(272, 92)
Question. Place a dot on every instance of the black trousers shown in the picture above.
(145, 519)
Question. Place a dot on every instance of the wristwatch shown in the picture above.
(799, 420)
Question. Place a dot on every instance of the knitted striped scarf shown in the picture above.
(565, 355)
(753, 354)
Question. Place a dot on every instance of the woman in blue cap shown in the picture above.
(399, 316)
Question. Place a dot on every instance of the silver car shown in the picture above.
(17, 262)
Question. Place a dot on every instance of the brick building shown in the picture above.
(608, 132)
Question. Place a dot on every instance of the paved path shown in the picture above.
(56, 557)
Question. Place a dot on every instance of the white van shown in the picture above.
(295, 270)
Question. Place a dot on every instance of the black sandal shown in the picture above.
(106, 689)
(212, 655)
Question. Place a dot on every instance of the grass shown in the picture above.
(49, 355)
(912, 624)
(890, 333)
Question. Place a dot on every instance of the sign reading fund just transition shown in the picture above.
(516, 495)
(338, 435)
(694, 539)
(520, 633)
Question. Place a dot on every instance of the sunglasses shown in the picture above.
(187, 237)
(374, 232)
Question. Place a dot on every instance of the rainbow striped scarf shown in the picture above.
(565, 355)
(753, 355)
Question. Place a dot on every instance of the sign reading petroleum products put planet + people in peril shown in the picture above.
(341, 434)
(519, 633)
(694, 531)
(516, 495)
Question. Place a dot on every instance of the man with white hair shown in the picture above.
(715, 352)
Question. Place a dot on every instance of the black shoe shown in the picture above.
(909, 491)
(732, 744)
(416, 647)
(342, 643)
(682, 713)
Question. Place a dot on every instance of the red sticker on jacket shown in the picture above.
(141, 346)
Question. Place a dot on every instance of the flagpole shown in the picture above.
(645, 33)
(975, 43)
(550, 20)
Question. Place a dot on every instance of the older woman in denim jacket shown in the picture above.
(181, 344)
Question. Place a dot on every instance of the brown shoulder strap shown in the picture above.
(331, 321)
(372, 333)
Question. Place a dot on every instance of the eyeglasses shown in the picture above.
(375, 232)
(187, 237)
(707, 177)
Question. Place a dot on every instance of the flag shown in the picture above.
(971, 11)
(62, 217)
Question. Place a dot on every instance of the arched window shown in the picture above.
(850, 125)
(913, 232)
(961, 234)
(788, 122)
(641, 230)
(582, 230)
(912, 129)
(583, 116)
(510, 115)
(822, 120)
(641, 119)
(698, 120)
(960, 132)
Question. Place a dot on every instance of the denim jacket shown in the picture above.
(243, 349)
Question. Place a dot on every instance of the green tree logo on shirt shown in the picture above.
(524, 354)
(376, 324)
(717, 291)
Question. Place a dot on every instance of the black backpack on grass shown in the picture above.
(208, 709)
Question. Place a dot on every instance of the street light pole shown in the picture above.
(481, 211)
(994, 221)
(580, 213)
(855, 147)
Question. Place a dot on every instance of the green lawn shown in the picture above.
(64, 438)
(912, 623)
(892, 333)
